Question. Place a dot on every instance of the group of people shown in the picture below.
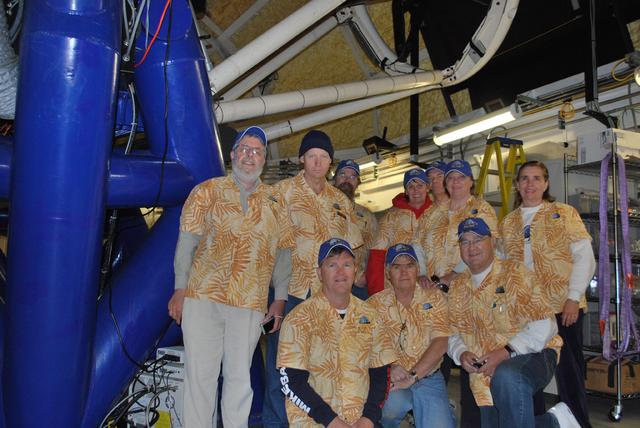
(364, 319)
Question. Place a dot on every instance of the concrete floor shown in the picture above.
(598, 407)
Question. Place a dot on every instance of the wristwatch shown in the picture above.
(510, 350)
(414, 375)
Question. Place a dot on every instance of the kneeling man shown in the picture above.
(502, 334)
(333, 354)
(417, 320)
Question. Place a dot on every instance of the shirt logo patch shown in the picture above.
(427, 306)
(364, 320)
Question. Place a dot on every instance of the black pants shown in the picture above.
(469, 410)
(570, 372)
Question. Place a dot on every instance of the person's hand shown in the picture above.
(398, 373)
(570, 312)
(276, 311)
(363, 423)
(467, 358)
(492, 360)
(425, 282)
(446, 279)
(402, 384)
(338, 423)
(175, 305)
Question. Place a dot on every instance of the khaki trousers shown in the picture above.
(215, 333)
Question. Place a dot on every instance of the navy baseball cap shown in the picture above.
(439, 165)
(415, 174)
(475, 225)
(329, 245)
(253, 131)
(349, 163)
(399, 250)
(461, 166)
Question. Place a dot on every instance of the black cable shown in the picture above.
(166, 112)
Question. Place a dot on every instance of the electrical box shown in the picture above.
(173, 354)
(595, 146)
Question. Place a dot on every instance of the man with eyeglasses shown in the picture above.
(418, 320)
(230, 230)
(347, 179)
(503, 334)
(318, 212)
(334, 355)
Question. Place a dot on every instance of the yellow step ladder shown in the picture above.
(506, 173)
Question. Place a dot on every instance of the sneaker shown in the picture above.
(564, 415)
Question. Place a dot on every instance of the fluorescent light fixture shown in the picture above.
(368, 165)
(369, 161)
(489, 121)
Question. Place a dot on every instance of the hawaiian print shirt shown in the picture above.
(234, 260)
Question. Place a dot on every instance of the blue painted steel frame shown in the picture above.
(66, 366)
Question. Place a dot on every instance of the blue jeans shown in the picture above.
(429, 400)
(512, 387)
(273, 413)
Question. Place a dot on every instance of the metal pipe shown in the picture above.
(305, 98)
(280, 59)
(58, 192)
(175, 100)
(337, 112)
(269, 42)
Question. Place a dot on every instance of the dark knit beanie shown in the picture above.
(315, 139)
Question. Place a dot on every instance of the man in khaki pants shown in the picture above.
(230, 230)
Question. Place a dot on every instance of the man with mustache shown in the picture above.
(230, 230)
(347, 179)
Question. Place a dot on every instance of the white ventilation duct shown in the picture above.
(8, 72)
(271, 104)
(336, 112)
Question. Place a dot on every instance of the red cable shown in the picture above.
(155, 36)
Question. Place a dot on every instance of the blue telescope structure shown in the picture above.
(62, 361)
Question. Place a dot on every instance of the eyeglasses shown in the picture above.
(347, 176)
(465, 243)
(248, 150)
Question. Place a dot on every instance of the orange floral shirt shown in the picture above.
(336, 352)
(396, 227)
(426, 318)
(368, 225)
(487, 317)
(553, 229)
(234, 260)
(437, 233)
(315, 219)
